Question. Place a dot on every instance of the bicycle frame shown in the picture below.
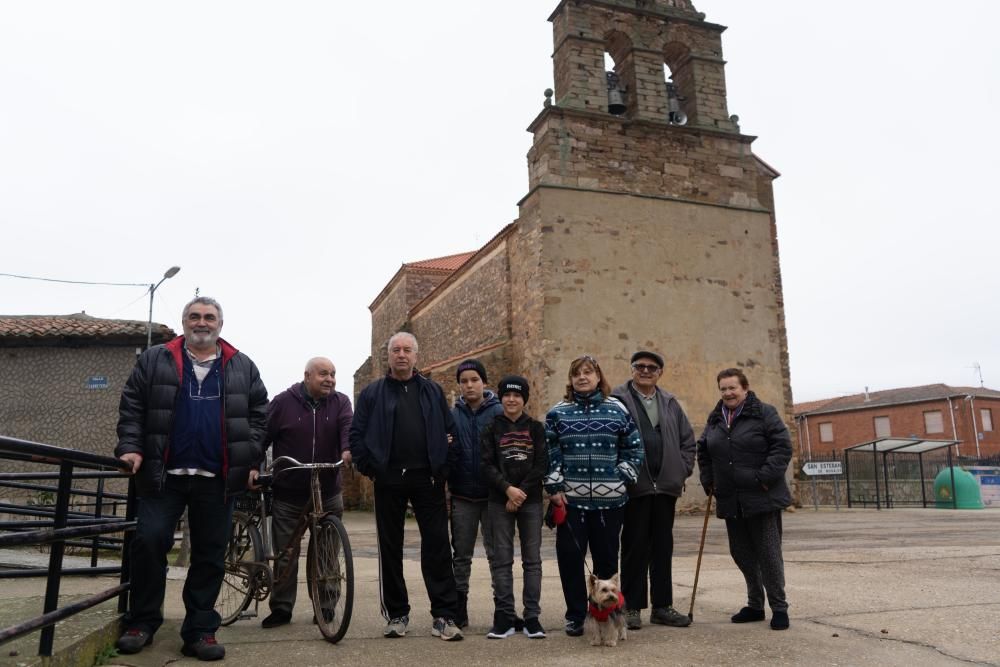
(310, 516)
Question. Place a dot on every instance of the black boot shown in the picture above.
(462, 610)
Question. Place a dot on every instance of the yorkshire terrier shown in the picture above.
(606, 612)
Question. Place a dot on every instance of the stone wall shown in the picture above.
(469, 313)
(598, 151)
(391, 312)
(44, 398)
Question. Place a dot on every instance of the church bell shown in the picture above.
(616, 96)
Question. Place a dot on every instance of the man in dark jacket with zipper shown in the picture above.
(191, 423)
(399, 438)
(310, 422)
(474, 411)
(647, 530)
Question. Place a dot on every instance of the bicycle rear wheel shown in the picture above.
(331, 577)
(244, 556)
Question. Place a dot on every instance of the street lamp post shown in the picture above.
(169, 273)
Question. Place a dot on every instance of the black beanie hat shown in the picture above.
(514, 383)
(471, 365)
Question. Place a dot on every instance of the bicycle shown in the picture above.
(249, 557)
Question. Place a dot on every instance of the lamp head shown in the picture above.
(171, 272)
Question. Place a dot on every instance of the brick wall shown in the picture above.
(906, 421)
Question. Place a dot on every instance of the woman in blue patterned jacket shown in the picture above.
(594, 451)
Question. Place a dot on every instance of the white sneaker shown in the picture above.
(446, 629)
(396, 627)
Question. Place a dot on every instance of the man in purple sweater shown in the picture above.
(310, 422)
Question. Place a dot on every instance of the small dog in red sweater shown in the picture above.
(606, 612)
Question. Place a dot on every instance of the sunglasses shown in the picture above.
(646, 368)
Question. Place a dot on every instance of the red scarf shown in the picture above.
(601, 615)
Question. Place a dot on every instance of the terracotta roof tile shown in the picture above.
(447, 263)
(77, 325)
(927, 392)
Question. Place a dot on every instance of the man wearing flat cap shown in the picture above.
(647, 530)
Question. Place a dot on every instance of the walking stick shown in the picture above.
(701, 549)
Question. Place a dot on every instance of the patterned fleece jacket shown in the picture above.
(594, 450)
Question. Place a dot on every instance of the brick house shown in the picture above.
(637, 231)
(935, 411)
(61, 377)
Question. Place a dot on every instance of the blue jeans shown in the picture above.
(598, 529)
(209, 519)
(529, 527)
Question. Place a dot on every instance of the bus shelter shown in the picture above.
(891, 472)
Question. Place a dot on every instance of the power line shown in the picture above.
(75, 282)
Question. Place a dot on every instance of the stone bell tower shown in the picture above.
(652, 227)
(648, 224)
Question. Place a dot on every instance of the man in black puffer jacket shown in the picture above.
(191, 422)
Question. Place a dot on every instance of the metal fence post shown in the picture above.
(56, 556)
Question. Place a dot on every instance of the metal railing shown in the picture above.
(58, 527)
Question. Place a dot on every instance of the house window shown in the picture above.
(986, 418)
(882, 429)
(826, 432)
(933, 423)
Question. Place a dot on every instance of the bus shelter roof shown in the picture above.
(901, 445)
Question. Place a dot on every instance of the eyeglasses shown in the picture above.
(645, 368)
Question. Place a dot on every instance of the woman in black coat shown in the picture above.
(743, 455)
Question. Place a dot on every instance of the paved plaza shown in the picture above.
(905, 587)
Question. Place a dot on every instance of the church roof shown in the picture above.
(446, 263)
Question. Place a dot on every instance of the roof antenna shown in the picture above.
(979, 371)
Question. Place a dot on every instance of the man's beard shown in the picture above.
(204, 339)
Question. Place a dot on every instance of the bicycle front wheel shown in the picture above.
(331, 577)
(244, 557)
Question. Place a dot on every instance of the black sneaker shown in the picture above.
(533, 629)
(276, 618)
(133, 641)
(206, 648)
(748, 615)
(503, 627)
(518, 624)
(669, 616)
(574, 628)
(779, 620)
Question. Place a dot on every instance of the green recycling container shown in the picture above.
(966, 488)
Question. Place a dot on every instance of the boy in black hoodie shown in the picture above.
(514, 461)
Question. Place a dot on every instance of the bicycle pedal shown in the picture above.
(245, 614)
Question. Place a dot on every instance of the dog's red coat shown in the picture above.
(601, 615)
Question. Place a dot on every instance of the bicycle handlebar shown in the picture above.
(298, 465)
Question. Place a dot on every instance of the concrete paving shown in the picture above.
(898, 587)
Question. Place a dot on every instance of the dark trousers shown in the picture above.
(528, 520)
(466, 518)
(647, 549)
(600, 529)
(209, 520)
(755, 545)
(426, 495)
(284, 519)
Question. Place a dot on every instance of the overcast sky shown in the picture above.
(290, 156)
